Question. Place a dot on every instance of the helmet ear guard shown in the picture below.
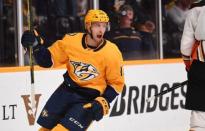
(108, 26)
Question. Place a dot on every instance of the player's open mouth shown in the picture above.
(99, 36)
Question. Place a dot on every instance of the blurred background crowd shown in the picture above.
(142, 29)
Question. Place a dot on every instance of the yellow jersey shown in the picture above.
(89, 68)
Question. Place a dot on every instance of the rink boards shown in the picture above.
(128, 112)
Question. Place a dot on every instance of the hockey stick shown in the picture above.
(167, 91)
(31, 61)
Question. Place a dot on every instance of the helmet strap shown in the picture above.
(89, 33)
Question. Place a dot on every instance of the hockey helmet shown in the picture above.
(95, 15)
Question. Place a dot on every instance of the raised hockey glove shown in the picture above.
(99, 107)
(31, 38)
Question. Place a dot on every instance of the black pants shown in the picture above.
(195, 96)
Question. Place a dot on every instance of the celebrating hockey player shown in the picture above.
(93, 79)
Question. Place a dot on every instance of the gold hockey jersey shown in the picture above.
(93, 68)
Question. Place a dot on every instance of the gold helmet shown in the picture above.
(96, 15)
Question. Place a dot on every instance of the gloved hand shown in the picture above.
(187, 64)
(31, 38)
(99, 107)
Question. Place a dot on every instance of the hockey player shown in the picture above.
(192, 49)
(93, 79)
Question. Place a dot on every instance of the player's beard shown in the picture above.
(98, 39)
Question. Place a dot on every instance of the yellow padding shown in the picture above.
(43, 129)
(104, 104)
(59, 127)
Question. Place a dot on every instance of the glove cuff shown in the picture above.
(105, 105)
(186, 58)
(187, 61)
(39, 39)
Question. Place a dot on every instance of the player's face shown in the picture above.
(98, 30)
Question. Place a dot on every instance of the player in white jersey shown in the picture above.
(192, 49)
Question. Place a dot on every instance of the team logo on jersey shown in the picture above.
(84, 71)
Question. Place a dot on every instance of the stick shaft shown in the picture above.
(31, 60)
(172, 88)
(32, 77)
(167, 91)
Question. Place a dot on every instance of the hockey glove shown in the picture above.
(31, 38)
(187, 62)
(99, 107)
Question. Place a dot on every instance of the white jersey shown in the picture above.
(194, 30)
